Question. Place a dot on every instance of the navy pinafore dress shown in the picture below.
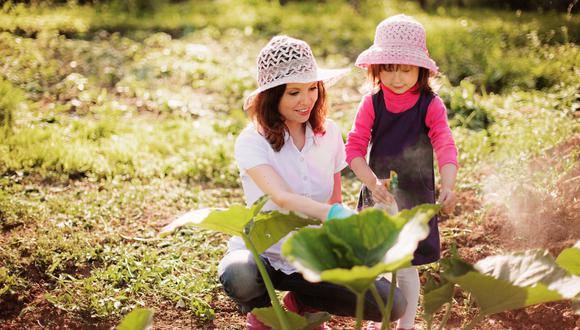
(399, 142)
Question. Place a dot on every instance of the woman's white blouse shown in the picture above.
(309, 172)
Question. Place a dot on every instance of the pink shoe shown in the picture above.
(371, 325)
(292, 304)
(252, 323)
(377, 326)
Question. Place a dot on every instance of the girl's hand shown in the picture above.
(447, 199)
(380, 192)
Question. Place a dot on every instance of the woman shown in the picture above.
(292, 153)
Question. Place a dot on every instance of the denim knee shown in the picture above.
(399, 300)
(240, 277)
(399, 305)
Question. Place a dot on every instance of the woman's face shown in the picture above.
(297, 102)
(400, 78)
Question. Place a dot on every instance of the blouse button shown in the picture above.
(305, 178)
(301, 158)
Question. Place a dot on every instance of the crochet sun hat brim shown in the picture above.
(396, 55)
(399, 39)
(286, 60)
(328, 76)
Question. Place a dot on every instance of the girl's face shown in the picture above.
(297, 102)
(399, 78)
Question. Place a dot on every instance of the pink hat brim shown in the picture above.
(396, 55)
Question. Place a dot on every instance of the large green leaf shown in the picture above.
(266, 229)
(351, 252)
(368, 236)
(307, 322)
(569, 259)
(359, 278)
(517, 280)
(138, 319)
(231, 221)
(311, 252)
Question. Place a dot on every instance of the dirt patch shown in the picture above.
(545, 316)
(531, 218)
(35, 312)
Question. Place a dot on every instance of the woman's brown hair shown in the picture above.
(264, 112)
(374, 73)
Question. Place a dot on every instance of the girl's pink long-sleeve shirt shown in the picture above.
(436, 120)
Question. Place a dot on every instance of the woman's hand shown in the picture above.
(447, 199)
(380, 192)
(339, 211)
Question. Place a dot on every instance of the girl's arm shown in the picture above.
(357, 141)
(440, 134)
(364, 173)
(447, 195)
(271, 183)
(336, 196)
(356, 148)
(445, 150)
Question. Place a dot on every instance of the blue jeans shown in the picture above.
(242, 282)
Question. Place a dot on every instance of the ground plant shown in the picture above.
(353, 252)
(117, 118)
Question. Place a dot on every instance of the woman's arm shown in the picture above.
(271, 183)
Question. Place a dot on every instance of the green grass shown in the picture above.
(115, 123)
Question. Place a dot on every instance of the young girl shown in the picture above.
(403, 121)
(293, 154)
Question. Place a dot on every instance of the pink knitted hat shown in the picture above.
(399, 39)
(287, 60)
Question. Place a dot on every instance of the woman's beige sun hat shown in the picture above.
(287, 60)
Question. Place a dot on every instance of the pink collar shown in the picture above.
(397, 103)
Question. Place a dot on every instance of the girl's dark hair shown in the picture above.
(374, 74)
(264, 112)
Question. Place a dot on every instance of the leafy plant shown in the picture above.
(465, 107)
(352, 252)
(10, 283)
(435, 295)
(259, 231)
(504, 282)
